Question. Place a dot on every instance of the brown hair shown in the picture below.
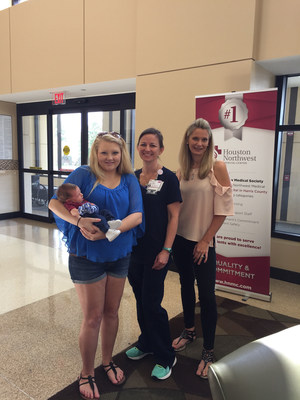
(65, 191)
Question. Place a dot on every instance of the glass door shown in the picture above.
(66, 141)
(35, 159)
(55, 140)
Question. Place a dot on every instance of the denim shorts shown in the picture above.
(83, 270)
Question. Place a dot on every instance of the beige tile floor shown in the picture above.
(40, 315)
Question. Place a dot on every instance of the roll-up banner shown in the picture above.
(243, 125)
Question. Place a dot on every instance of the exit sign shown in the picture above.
(58, 98)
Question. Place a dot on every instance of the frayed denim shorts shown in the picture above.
(83, 270)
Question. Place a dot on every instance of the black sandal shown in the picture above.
(113, 367)
(188, 335)
(90, 380)
(207, 357)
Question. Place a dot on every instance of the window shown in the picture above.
(286, 209)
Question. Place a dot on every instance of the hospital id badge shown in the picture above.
(154, 186)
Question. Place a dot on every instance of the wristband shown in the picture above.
(168, 249)
(78, 221)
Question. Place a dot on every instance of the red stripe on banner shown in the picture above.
(208, 107)
(261, 109)
(250, 274)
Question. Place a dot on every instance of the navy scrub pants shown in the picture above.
(148, 288)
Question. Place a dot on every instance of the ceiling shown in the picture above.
(279, 66)
(71, 92)
(283, 66)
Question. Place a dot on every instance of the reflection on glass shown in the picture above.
(102, 121)
(66, 141)
(288, 200)
(36, 194)
(58, 180)
(292, 109)
(106, 121)
(35, 143)
(129, 125)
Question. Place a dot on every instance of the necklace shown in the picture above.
(193, 174)
(146, 177)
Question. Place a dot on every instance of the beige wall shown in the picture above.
(110, 40)
(278, 29)
(5, 77)
(46, 44)
(285, 254)
(177, 34)
(167, 101)
(70, 42)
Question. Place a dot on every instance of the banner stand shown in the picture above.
(243, 127)
(244, 293)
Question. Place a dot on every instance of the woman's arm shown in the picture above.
(163, 257)
(128, 223)
(221, 173)
(75, 212)
(202, 246)
(131, 221)
(59, 209)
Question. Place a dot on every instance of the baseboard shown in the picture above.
(285, 275)
(16, 214)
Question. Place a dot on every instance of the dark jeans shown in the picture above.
(148, 288)
(205, 275)
(104, 215)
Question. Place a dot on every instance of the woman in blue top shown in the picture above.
(98, 267)
(150, 258)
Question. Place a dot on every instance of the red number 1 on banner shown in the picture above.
(233, 114)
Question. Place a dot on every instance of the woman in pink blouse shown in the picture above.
(207, 200)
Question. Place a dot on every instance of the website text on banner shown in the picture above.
(243, 125)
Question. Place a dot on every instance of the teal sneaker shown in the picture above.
(161, 373)
(136, 354)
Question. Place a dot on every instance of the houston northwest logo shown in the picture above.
(239, 156)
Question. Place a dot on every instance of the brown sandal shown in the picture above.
(188, 335)
(113, 367)
(91, 381)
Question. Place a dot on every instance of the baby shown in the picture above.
(72, 198)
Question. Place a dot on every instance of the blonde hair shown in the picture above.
(124, 167)
(185, 157)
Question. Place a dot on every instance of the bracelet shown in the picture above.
(168, 249)
(78, 221)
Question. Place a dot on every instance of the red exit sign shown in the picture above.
(58, 98)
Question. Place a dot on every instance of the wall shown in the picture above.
(181, 55)
(277, 29)
(5, 76)
(167, 101)
(110, 40)
(70, 42)
(46, 44)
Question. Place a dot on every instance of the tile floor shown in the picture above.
(40, 315)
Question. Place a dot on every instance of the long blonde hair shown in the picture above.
(124, 167)
(185, 157)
